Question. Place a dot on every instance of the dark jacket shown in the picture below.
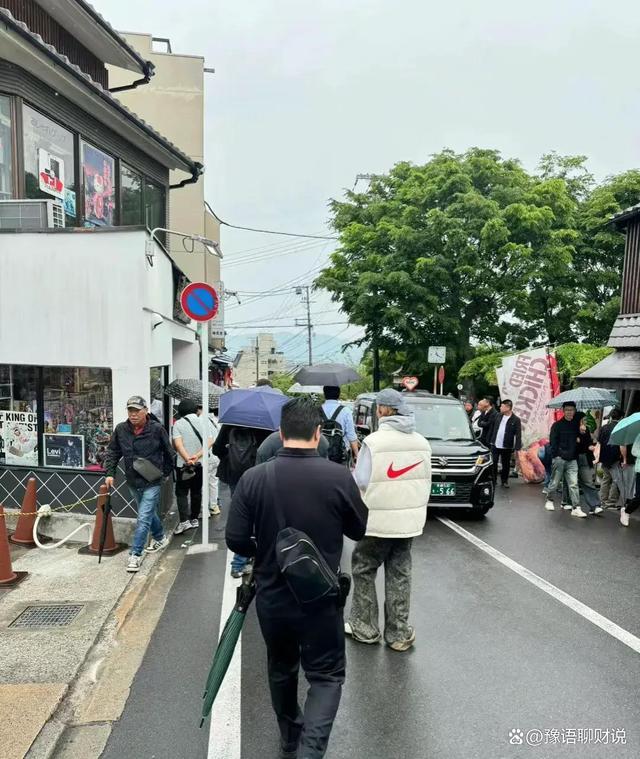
(486, 422)
(152, 444)
(273, 444)
(512, 432)
(564, 439)
(609, 454)
(317, 496)
(221, 450)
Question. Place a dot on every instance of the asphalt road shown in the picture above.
(494, 653)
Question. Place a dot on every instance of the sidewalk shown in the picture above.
(38, 665)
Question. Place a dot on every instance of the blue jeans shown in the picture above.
(147, 500)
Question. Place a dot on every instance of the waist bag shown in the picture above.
(306, 571)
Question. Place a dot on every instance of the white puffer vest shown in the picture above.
(400, 484)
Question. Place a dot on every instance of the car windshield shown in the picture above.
(442, 421)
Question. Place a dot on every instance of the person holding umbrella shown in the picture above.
(318, 497)
(627, 435)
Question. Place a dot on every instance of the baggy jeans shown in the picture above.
(565, 470)
(609, 490)
(368, 555)
(148, 500)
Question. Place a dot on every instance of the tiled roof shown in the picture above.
(621, 368)
(98, 89)
(628, 213)
(626, 332)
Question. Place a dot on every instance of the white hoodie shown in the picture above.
(394, 473)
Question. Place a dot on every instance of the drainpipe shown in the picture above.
(148, 71)
(197, 170)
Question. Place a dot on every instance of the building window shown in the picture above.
(132, 202)
(154, 205)
(6, 189)
(78, 416)
(49, 162)
(18, 415)
(98, 180)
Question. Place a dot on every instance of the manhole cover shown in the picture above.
(47, 616)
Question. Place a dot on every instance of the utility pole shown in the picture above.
(307, 300)
(376, 365)
(257, 358)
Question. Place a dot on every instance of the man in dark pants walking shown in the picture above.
(506, 438)
(320, 498)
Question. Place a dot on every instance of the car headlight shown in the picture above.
(483, 459)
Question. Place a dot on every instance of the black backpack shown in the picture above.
(332, 430)
(306, 571)
(243, 448)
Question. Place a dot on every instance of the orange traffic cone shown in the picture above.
(110, 545)
(8, 578)
(23, 535)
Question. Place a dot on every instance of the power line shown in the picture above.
(267, 231)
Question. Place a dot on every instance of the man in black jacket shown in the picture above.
(565, 440)
(148, 457)
(486, 420)
(506, 437)
(321, 499)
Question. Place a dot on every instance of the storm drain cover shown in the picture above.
(48, 616)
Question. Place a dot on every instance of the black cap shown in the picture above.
(187, 406)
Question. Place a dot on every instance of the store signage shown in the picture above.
(216, 325)
(51, 173)
(64, 450)
(200, 301)
(19, 438)
(410, 383)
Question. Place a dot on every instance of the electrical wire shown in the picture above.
(266, 231)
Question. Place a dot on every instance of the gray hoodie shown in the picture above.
(362, 472)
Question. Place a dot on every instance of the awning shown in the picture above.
(620, 370)
(222, 359)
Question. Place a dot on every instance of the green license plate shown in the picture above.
(443, 488)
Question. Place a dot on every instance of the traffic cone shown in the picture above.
(110, 545)
(23, 534)
(8, 578)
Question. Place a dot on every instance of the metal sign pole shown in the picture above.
(435, 380)
(204, 350)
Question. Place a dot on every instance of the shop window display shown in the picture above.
(18, 415)
(49, 162)
(98, 177)
(78, 403)
(6, 191)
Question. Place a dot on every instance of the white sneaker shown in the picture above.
(214, 510)
(134, 563)
(578, 512)
(567, 506)
(624, 518)
(195, 523)
(158, 545)
(549, 506)
(182, 527)
(598, 510)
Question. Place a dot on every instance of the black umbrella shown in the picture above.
(227, 643)
(106, 510)
(191, 389)
(334, 375)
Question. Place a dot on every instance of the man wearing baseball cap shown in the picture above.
(394, 474)
(145, 448)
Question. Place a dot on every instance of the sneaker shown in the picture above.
(404, 645)
(549, 506)
(348, 630)
(288, 751)
(598, 510)
(567, 507)
(578, 512)
(182, 527)
(134, 563)
(545, 491)
(624, 518)
(195, 523)
(158, 545)
(506, 485)
(215, 510)
(237, 573)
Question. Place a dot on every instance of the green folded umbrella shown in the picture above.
(227, 643)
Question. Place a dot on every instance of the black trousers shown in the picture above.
(316, 641)
(501, 455)
(189, 490)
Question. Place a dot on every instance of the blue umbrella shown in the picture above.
(258, 407)
(626, 431)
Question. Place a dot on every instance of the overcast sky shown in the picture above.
(308, 94)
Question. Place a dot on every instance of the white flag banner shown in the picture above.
(526, 380)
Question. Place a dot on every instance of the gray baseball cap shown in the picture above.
(136, 401)
(394, 399)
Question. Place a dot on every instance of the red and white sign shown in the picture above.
(441, 375)
(410, 383)
(51, 174)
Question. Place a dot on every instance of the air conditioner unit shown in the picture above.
(31, 215)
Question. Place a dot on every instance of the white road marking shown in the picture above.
(224, 731)
(624, 636)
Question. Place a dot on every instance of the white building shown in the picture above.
(258, 361)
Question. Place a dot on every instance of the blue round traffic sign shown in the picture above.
(200, 301)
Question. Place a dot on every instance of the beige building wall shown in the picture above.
(269, 362)
(173, 103)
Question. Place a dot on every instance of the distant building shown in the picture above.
(258, 361)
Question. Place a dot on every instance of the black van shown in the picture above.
(461, 466)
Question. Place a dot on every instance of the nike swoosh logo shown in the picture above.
(393, 473)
